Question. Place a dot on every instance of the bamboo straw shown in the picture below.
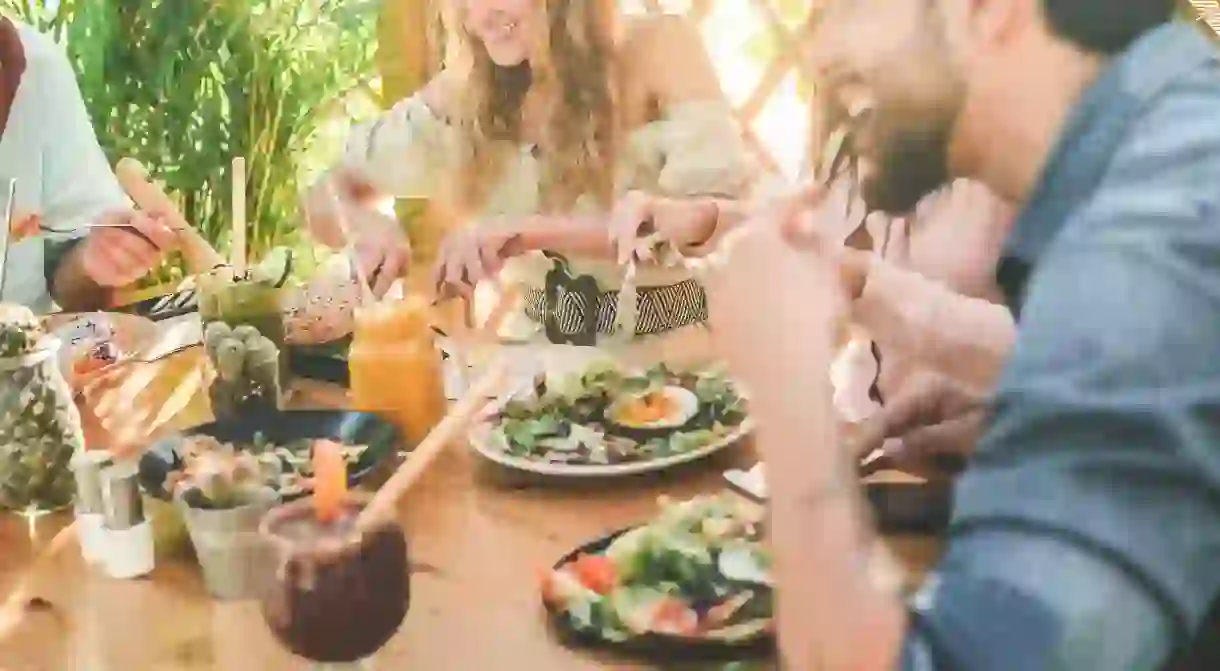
(237, 252)
(382, 506)
(133, 177)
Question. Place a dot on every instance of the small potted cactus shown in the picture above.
(247, 370)
(223, 494)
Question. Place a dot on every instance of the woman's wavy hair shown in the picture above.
(572, 65)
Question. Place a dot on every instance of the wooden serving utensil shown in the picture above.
(201, 257)
(383, 503)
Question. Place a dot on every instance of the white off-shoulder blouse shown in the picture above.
(695, 149)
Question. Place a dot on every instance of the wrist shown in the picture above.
(73, 288)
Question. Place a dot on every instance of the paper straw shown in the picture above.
(237, 251)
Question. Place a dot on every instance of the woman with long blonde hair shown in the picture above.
(549, 122)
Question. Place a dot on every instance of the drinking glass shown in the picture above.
(251, 370)
(337, 594)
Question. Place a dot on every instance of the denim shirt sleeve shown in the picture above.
(1087, 531)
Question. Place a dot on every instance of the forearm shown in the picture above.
(72, 288)
(833, 612)
(577, 235)
(338, 190)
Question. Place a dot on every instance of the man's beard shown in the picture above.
(911, 159)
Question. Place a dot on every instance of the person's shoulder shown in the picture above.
(46, 61)
(645, 35)
(40, 48)
(675, 41)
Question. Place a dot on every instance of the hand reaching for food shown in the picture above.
(382, 249)
(930, 426)
(124, 246)
(682, 223)
(473, 254)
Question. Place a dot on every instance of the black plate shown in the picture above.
(654, 646)
(324, 361)
(352, 428)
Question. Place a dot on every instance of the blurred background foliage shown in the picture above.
(185, 86)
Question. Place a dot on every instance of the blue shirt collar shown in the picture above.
(1095, 128)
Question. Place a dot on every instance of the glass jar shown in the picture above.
(40, 432)
(244, 338)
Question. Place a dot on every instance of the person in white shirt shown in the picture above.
(75, 236)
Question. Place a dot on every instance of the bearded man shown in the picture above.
(1087, 525)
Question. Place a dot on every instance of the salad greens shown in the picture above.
(698, 571)
(566, 419)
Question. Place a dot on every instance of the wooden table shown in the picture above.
(477, 545)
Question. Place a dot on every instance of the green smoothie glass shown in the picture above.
(243, 328)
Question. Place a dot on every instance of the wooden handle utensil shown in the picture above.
(201, 257)
(382, 505)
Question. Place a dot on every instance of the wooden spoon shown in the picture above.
(384, 502)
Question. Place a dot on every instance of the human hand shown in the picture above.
(382, 250)
(124, 246)
(471, 254)
(340, 212)
(683, 223)
(929, 426)
(776, 305)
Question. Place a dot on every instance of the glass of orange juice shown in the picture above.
(395, 366)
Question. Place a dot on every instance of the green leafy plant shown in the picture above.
(185, 86)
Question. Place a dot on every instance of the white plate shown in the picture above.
(481, 445)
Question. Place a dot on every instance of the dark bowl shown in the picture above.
(280, 426)
(654, 646)
(326, 362)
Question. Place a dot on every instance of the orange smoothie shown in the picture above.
(395, 366)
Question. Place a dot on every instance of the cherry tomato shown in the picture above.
(596, 572)
(673, 616)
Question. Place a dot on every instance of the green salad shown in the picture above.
(699, 571)
(607, 416)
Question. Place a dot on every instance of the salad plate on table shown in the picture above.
(604, 420)
(694, 583)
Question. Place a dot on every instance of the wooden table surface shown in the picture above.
(477, 541)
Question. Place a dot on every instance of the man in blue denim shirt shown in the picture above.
(1086, 534)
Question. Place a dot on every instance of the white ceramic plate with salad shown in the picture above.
(604, 421)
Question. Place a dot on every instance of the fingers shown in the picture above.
(937, 450)
(629, 217)
(153, 228)
(924, 401)
(388, 271)
(113, 258)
